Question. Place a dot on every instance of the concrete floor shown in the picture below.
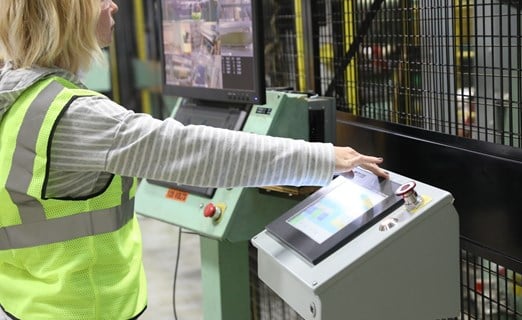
(160, 245)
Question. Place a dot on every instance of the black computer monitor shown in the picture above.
(213, 50)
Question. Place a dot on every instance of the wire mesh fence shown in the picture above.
(453, 67)
(489, 290)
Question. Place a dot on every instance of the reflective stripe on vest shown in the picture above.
(35, 228)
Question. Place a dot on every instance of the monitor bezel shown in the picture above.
(315, 252)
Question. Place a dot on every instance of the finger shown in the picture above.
(369, 159)
(375, 169)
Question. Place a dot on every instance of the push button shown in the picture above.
(410, 196)
(212, 211)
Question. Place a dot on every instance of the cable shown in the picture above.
(178, 254)
(176, 276)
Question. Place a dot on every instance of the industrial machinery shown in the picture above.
(227, 219)
(366, 248)
(212, 60)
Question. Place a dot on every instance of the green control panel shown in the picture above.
(236, 214)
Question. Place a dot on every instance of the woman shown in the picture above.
(70, 246)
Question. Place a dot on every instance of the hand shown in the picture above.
(346, 159)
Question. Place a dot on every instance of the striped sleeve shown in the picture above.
(97, 135)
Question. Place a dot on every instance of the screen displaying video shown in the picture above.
(208, 44)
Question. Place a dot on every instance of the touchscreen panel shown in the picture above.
(336, 210)
(335, 214)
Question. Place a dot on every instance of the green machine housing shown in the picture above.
(244, 212)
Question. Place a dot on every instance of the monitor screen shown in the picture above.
(335, 210)
(213, 50)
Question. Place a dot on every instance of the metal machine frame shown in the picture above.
(406, 266)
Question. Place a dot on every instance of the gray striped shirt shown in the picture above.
(96, 137)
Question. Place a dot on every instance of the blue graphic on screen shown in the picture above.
(335, 211)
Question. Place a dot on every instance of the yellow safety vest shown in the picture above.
(62, 258)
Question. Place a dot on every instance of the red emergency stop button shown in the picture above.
(411, 199)
(212, 211)
(406, 188)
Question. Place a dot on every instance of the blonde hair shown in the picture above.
(49, 33)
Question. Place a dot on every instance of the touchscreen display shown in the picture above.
(331, 213)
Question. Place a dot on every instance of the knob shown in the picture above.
(212, 211)
(410, 196)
